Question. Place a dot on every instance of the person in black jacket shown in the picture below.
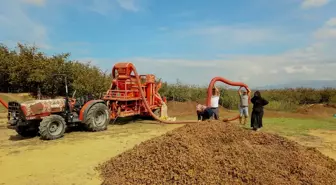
(257, 111)
(208, 113)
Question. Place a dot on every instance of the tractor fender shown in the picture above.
(86, 108)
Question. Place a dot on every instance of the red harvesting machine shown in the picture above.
(124, 98)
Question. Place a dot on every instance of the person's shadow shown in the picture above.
(17, 137)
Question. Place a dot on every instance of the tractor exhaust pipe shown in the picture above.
(5, 104)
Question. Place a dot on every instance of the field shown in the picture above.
(72, 159)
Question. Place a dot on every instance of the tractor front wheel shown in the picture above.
(97, 118)
(27, 132)
(52, 127)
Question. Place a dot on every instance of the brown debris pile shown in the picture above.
(219, 153)
(318, 110)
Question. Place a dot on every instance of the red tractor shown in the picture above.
(124, 98)
(50, 118)
(130, 94)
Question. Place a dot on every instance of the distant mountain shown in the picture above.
(316, 84)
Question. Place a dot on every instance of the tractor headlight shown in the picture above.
(14, 114)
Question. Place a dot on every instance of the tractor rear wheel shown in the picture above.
(52, 127)
(97, 118)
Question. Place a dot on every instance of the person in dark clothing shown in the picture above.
(257, 111)
(199, 110)
(199, 115)
(207, 113)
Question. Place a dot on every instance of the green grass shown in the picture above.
(288, 126)
(296, 126)
(281, 105)
(275, 106)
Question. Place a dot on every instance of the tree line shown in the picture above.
(280, 99)
(27, 69)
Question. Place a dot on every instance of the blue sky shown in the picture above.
(259, 42)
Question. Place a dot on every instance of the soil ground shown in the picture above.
(72, 159)
(217, 153)
(323, 140)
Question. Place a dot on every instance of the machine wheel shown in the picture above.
(26, 131)
(97, 118)
(52, 127)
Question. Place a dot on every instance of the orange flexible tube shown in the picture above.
(4, 103)
(148, 107)
(208, 100)
(226, 81)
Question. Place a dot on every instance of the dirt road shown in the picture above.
(70, 160)
(325, 141)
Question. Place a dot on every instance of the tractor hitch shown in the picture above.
(5, 104)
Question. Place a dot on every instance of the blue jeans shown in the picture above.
(215, 112)
(243, 111)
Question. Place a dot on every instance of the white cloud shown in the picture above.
(316, 61)
(306, 4)
(243, 78)
(299, 69)
(35, 2)
(331, 22)
(237, 35)
(242, 33)
(102, 7)
(328, 31)
(106, 7)
(273, 71)
(310, 63)
(17, 26)
(128, 5)
(183, 14)
(163, 28)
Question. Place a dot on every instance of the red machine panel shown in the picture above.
(124, 98)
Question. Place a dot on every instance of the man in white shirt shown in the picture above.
(215, 102)
(243, 105)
